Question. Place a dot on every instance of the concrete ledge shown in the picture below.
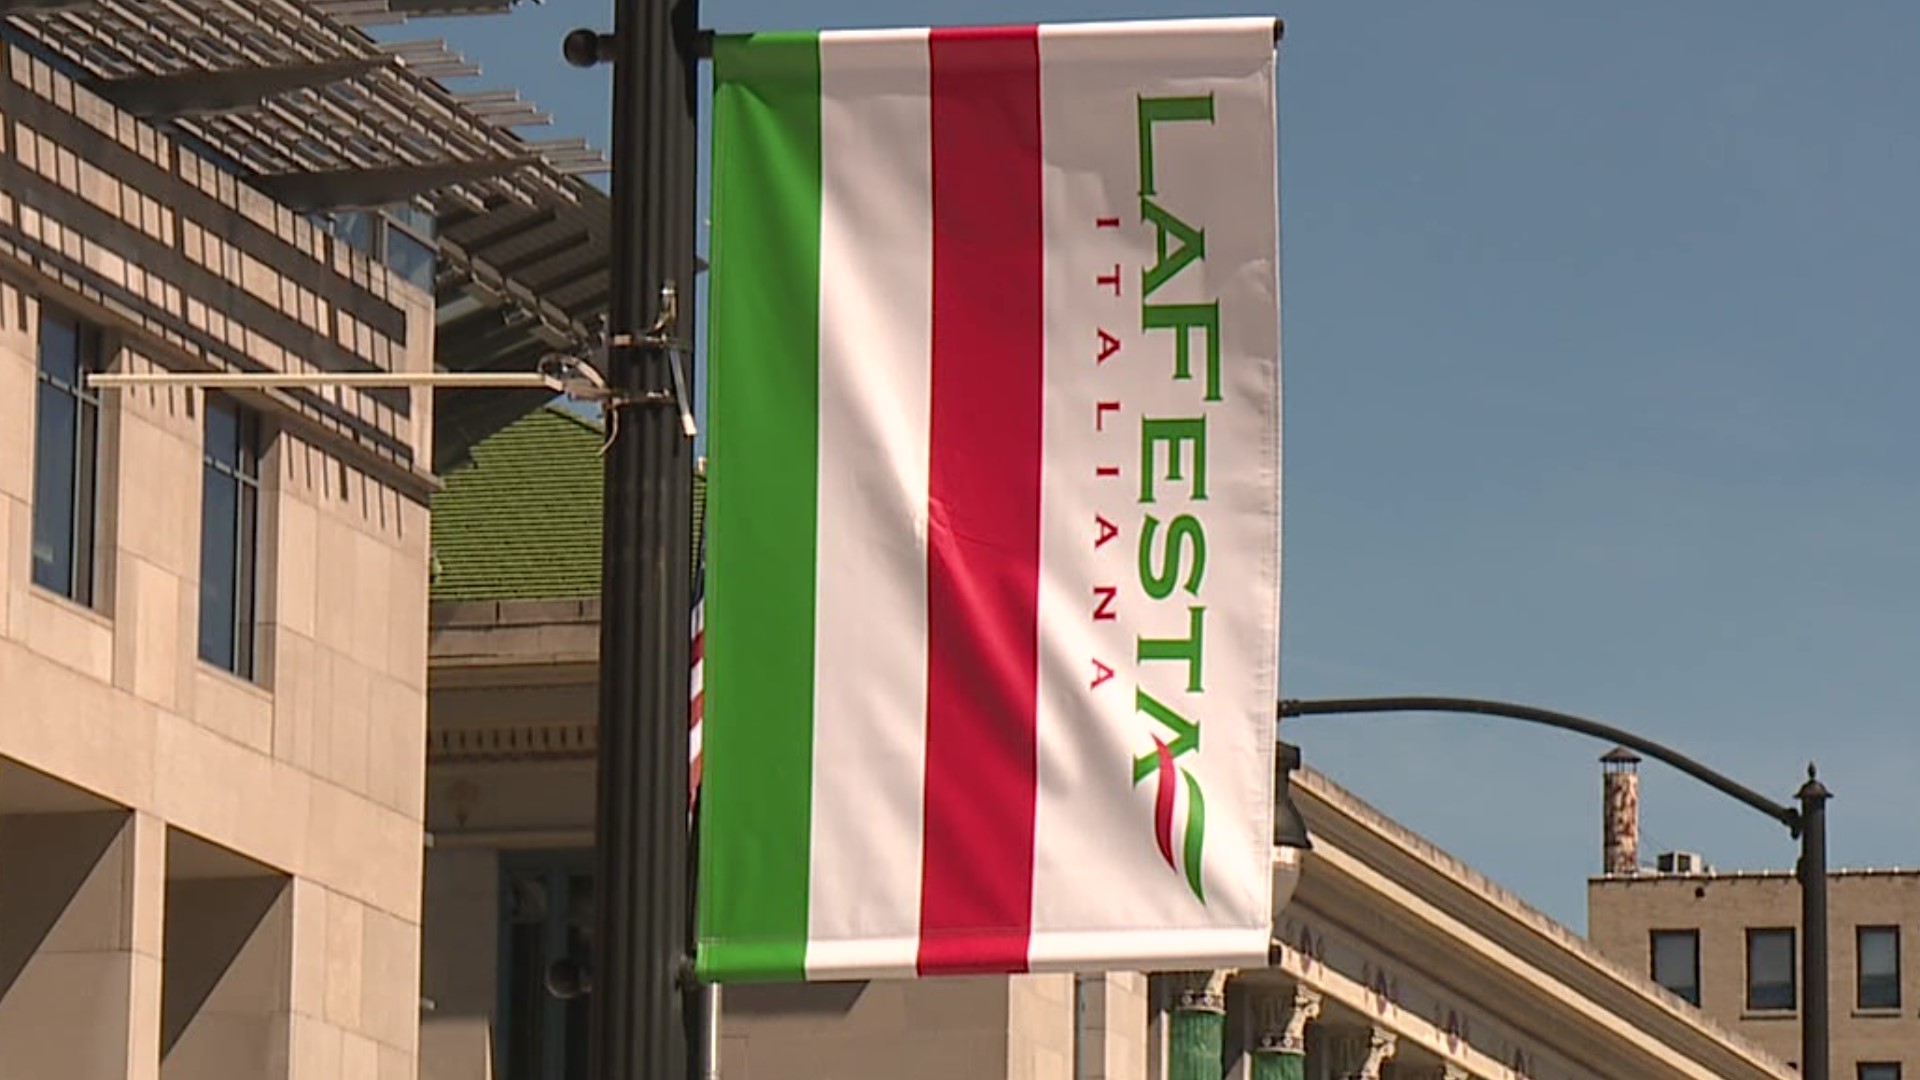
(486, 613)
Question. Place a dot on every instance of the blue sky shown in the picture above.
(1601, 389)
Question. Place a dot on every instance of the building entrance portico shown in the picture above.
(1392, 959)
(1289, 1031)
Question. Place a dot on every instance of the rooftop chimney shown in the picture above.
(1620, 811)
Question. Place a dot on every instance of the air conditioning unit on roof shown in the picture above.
(1680, 862)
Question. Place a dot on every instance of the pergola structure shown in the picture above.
(315, 112)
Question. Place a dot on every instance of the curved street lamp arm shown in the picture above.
(1339, 706)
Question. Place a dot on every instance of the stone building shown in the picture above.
(213, 604)
(1729, 943)
(1391, 958)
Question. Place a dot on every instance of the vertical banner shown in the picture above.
(994, 501)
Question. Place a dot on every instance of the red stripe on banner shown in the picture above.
(1163, 802)
(983, 560)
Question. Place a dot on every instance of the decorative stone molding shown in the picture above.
(534, 741)
(1280, 1020)
(1432, 1072)
(1359, 1056)
(1200, 991)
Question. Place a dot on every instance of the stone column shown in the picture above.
(1359, 1055)
(1198, 1024)
(1111, 1026)
(1280, 1033)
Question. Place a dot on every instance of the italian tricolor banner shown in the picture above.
(994, 548)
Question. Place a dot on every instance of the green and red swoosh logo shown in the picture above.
(1169, 776)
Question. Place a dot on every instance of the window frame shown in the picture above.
(1860, 934)
(1877, 1070)
(82, 499)
(243, 621)
(1653, 961)
(1792, 935)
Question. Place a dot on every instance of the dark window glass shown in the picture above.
(412, 259)
(1770, 970)
(229, 537)
(1676, 962)
(223, 444)
(66, 458)
(358, 230)
(415, 220)
(1881, 1070)
(547, 940)
(1879, 967)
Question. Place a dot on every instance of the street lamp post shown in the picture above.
(1812, 871)
(639, 1014)
(1807, 823)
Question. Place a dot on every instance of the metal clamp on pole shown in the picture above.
(660, 337)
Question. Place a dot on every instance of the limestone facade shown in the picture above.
(204, 873)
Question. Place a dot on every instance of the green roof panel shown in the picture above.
(521, 519)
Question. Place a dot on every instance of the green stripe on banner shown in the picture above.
(765, 364)
(1196, 835)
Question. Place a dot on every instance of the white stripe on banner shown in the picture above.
(876, 298)
(1119, 898)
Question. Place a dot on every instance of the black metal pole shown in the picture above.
(1814, 1060)
(637, 1027)
(1548, 718)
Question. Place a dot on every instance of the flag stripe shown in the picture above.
(764, 426)
(870, 684)
(696, 680)
(1196, 834)
(984, 501)
(1163, 801)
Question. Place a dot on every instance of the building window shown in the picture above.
(546, 943)
(358, 229)
(1770, 969)
(1676, 962)
(413, 259)
(401, 236)
(1879, 1070)
(66, 457)
(229, 537)
(1879, 980)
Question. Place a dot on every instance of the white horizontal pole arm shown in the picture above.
(364, 379)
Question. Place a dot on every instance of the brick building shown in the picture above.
(1729, 943)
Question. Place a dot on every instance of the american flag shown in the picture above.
(697, 703)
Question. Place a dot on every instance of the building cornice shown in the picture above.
(1397, 861)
